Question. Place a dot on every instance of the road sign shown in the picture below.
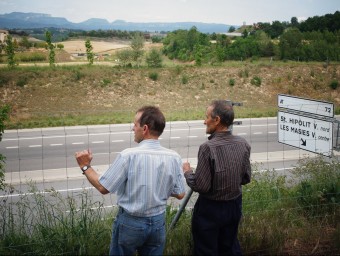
(306, 133)
(321, 108)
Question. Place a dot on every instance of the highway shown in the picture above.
(46, 156)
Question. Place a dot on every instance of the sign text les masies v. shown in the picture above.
(305, 133)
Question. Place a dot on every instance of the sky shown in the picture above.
(230, 12)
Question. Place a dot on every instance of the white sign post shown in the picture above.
(306, 133)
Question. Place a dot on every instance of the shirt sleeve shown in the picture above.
(116, 175)
(179, 186)
(200, 180)
(246, 167)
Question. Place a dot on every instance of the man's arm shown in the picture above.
(200, 180)
(247, 168)
(84, 158)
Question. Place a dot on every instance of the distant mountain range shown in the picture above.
(20, 20)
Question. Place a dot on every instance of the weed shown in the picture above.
(334, 84)
(22, 81)
(256, 81)
(231, 82)
(105, 82)
(78, 75)
(153, 76)
(185, 79)
(3, 80)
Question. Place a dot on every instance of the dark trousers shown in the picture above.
(215, 226)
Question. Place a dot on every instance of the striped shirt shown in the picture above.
(223, 166)
(144, 177)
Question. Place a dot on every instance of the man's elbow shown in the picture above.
(179, 196)
(103, 190)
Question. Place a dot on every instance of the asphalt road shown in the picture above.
(52, 149)
(46, 156)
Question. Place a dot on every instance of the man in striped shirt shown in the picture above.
(143, 178)
(223, 166)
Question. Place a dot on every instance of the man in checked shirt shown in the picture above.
(223, 167)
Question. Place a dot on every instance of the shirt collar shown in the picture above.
(219, 134)
(149, 142)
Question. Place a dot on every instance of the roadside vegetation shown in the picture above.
(296, 215)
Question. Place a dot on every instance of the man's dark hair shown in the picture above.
(224, 110)
(153, 118)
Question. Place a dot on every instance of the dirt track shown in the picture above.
(78, 46)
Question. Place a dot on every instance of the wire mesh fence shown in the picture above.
(291, 206)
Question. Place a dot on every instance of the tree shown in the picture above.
(25, 43)
(4, 115)
(137, 45)
(9, 49)
(154, 59)
(231, 29)
(294, 22)
(60, 46)
(290, 44)
(124, 56)
(89, 51)
(245, 33)
(50, 47)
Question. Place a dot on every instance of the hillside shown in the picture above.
(84, 89)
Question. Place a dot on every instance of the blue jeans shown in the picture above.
(131, 234)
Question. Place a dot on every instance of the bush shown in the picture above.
(154, 59)
(256, 81)
(231, 82)
(22, 81)
(318, 193)
(153, 76)
(334, 84)
(185, 79)
(106, 81)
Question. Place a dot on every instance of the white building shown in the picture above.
(3, 35)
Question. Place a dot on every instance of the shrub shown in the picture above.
(78, 75)
(185, 79)
(334, 84)
(231, 82)
(22, 81)
(106, 81)
(153, 76)
(256, 81)
(154, 59)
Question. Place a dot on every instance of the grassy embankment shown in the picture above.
(101, 94)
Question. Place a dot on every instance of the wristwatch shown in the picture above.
(85, 168)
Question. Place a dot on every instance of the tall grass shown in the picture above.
(297, 214)
(49, 224)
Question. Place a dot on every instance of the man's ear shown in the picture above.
(145, 128)
(217, 119)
